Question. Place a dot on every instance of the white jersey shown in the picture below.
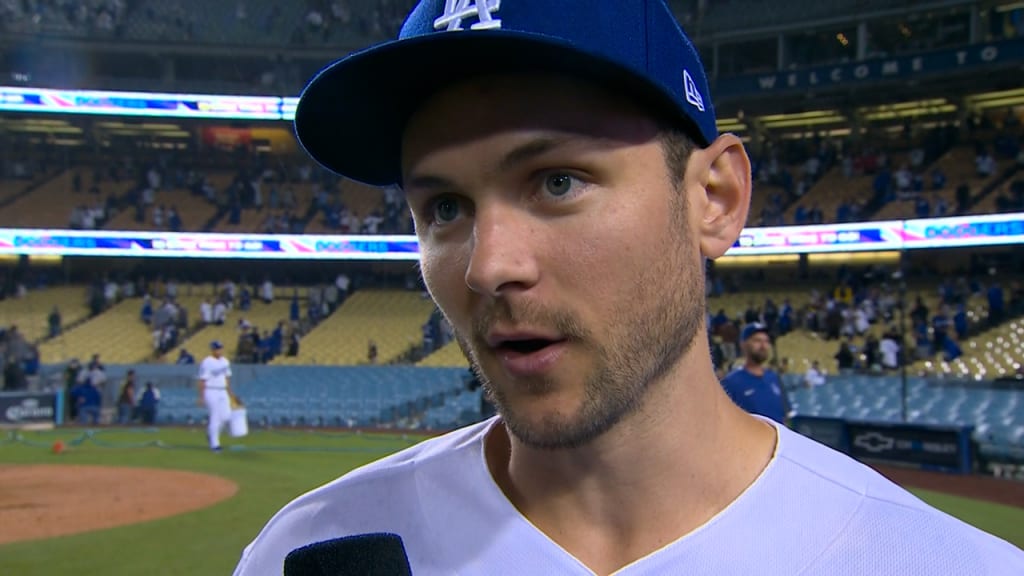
(215, 372)
(813, 511)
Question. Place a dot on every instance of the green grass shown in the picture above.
(1004, 521)
(272, 469)
(208, 541)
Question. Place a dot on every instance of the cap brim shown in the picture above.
(352, 115)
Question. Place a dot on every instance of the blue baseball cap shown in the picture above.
(216, 345)
(751, 329)
(351, 116)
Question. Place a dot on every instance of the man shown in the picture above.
(753, 387)
(149, 404)
(215, 391)
(814, 377)
(567, 183)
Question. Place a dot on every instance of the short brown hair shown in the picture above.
(677, 146)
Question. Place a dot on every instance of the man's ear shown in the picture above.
(723, 169)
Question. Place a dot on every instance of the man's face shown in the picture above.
(758, 347)
(557, 245)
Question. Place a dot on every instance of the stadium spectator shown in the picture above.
(244, 298)
(814, 376)
(174, 223)
(185, 358)
(844, 357)
(996, 304)
(149, 403)
(294, 340)
(220, 313)
(146, 313)
(72, 374)
(951, 349)
(889, 348)
(89, 399)
(985, 163)
(960, 321)
(206, 312)
(267, 291)
(54, 322)
(371, 352)
(293, 308)
(126, 400)
(919, 314)
(922, 339)
(343, 283)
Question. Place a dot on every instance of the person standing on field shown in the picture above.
(215, 391)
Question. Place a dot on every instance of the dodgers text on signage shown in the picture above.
(970, 58)
(959, 232)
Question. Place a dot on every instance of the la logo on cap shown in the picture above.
(692, 93)
(456, 10)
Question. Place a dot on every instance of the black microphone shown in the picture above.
(361, 555)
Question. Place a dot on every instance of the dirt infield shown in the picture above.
(43, 501)
(1008, 492)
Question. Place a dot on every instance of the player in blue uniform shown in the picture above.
(757, 389)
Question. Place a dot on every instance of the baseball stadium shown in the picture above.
(157, 211)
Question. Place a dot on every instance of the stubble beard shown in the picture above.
(647, 334)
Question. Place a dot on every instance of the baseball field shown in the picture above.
(119, 502)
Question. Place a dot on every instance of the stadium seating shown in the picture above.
(50, 205)
(448, 355)
(958, 165)
(393, 319)
(801, 347)
(30, 314)
(997, 415)
(262, 316)
(353, 396)
(359, 198)
(116, 334)
(457, 411)
(195, 211)
(991, 354)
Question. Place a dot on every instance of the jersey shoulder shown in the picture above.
(888, 530)
(388, 495)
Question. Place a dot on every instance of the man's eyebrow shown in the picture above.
(523, 153)
(530, 150)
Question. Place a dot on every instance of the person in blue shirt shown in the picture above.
(149, 403)
(960, 322)
(995, 304)
(293, 309)
(185, 358)
(146, 314)
(89, 400)
(753, 387)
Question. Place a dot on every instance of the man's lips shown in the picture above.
(522, 341)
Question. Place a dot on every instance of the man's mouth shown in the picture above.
(525, 346)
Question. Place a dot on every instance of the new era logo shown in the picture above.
(692, 92)
(456, 10)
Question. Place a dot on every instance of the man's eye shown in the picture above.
(446, 210)
(558, 184)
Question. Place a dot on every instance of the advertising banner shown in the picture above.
(20, 408)
(931, 447)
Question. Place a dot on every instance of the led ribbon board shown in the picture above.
(186, 245)
(146, 104)
(859, 237)
(987, 230)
